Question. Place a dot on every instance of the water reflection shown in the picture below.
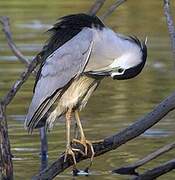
(114, 106)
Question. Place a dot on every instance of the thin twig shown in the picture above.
(112, 142)
(157, 171)
(112, 8)
(170, 24)
(130, 169)
(96, 7)
(22, 79)
(4, 20)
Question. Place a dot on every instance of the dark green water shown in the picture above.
(114, 106)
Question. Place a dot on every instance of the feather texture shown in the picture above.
(60, 67)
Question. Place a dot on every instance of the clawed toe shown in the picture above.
(69, 151)
(83, 143)
(86, 143)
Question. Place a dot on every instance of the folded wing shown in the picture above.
(62, 66)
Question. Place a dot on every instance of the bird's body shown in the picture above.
(75, 97)
(81, 52)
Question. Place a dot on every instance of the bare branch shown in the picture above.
(131, 168)
(23, 77)
(96, 7)
(6, 28)
(9, 96)
(112, 8)
(157, 171)
(6, 168)
(170, 24)
(112, 142)
(31, 66)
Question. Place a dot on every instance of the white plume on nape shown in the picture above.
(146, 40)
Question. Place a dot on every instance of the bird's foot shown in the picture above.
(71, 151)
(86, 143)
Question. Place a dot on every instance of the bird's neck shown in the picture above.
(111, 44)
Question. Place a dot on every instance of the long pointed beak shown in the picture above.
(100, 73)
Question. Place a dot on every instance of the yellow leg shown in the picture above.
(83, 140)
(69, 149)
(68, 146)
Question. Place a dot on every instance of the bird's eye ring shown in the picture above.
(120, 70)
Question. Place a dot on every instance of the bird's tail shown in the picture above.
(40, 113)
(53, 116)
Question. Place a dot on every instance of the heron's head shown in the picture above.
(131, 59)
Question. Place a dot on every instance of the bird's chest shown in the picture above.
(78, 92)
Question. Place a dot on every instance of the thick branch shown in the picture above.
(6, 168)
(96, 7)
(157, 171)
(130, 169)
(170, 24)
(112, 142)
(6, 28)
(112, 8)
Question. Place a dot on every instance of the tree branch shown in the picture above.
(5, 152)
(100, 147)
(170, 24)
(23, 77)
(4, 20)
(157, 171)
(10, 95)
(6, 168)
(96, 7)
(112, 8)
(130, 169)
(112, 142)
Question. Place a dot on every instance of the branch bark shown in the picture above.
(157, 171)
(43, 137)
(6, 168)
(4, 20)
(6, 165)
(100, 147)
(113, 142)
(130, 169)
(22, 79)
(170, 24)
(96, 7)
(112, 8)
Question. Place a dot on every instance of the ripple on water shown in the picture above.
(157, 133)
(25, 149)
(34, 24)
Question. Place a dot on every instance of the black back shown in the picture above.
(65, 29)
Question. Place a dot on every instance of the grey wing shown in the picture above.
(60, 68)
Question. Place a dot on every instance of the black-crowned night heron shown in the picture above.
(80, 53)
